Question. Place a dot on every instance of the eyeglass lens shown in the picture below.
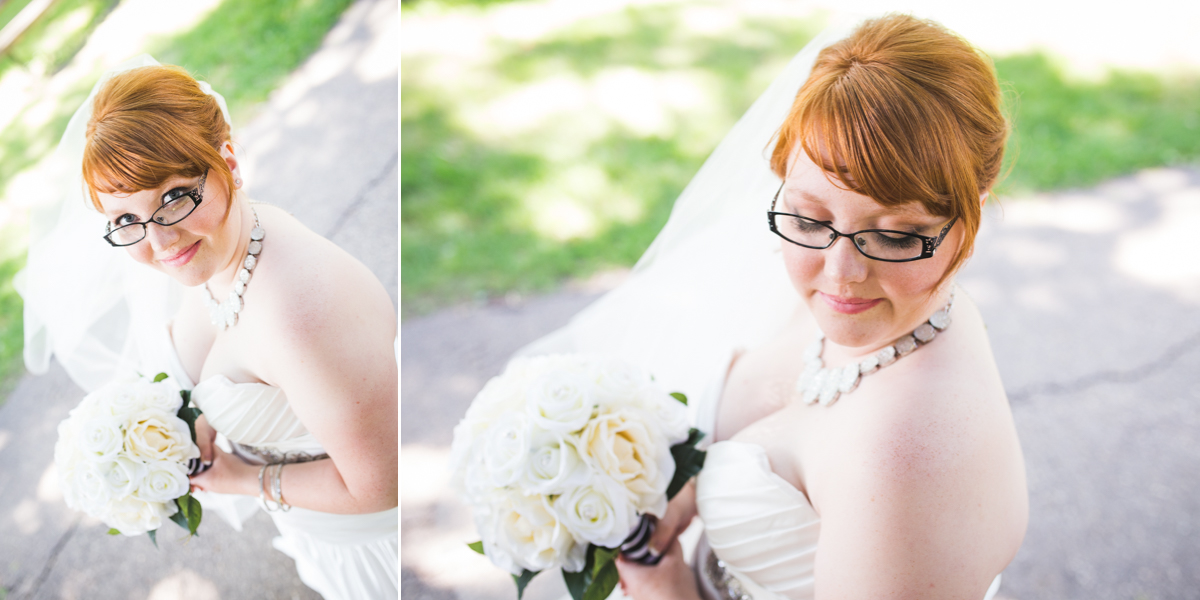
(875, 244)
(167, 214)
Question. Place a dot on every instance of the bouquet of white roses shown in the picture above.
(561, 457)
(124, 455)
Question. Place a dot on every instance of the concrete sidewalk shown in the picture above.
(1092, 301)
(325, 148)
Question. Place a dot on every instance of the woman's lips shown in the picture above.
(849, 306)
(183, 257)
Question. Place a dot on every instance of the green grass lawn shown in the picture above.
(507, 187)
(244, 48)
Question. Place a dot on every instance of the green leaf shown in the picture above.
(189, 414)
(192, 511)
(153, 537)
(688, 461)
(179, 519)
(114, 532)
(523, 580)
(477, 546)
(604, 556)
(604, 583)
(680, 397)
(160, 377)
(577, 583)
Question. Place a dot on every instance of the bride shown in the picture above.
(863, 446)
(286, 341)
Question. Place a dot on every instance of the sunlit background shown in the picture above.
(544, 141)
(543, 144)
(304, 79)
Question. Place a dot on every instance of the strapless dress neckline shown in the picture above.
(342, 557)
(763, 530)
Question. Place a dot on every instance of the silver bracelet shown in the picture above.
(262, 497)
(277, 488)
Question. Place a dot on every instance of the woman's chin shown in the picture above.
(866, 330)
(187, 275)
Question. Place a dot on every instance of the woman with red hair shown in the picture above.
(863, 446)
(286, 341)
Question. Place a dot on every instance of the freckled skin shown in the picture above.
(917, 474)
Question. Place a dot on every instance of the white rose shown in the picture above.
(669, 415)
(621, 445)
(618, 382)
(156, 435)
(133, 516)
(532, 534)
(554, 464)
(163, 395)
(560, 400)
(598, 513)
(164, 482)
(505, 448)
(121, 476)
(100, 438)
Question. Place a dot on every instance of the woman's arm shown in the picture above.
(921, 507)
(329, 344)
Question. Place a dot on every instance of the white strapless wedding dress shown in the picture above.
(763, 530)
(342, 557)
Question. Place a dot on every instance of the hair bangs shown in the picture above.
(902, 111)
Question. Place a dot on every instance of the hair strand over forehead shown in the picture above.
(902, 111)
(149, 124)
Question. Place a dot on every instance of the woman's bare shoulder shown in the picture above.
(315, 295)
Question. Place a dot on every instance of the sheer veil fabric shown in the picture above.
(84, 301)
(714, 278)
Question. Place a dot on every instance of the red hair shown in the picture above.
(903, 111)
(149, 124)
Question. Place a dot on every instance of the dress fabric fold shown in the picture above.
(341, 557)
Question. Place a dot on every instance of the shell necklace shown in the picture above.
(820, 383)
(225, 314)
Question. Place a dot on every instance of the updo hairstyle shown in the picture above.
(149, 124)
(902, 111)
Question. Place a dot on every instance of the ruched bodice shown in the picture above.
(343, 557)
(763, 529)
(253, 414)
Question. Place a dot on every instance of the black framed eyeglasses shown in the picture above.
(877, 244)
(174, 209)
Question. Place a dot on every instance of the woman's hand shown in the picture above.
(670, 579)
(205, 435)
(228, 473)
(680, 512)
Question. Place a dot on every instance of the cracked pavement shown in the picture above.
(1092, 301)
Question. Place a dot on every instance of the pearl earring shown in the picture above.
(237, 182)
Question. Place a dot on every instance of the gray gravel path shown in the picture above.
(325, 147)
(1092, 300)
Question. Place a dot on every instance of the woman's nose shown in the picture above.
(160, 237)
(844, 263)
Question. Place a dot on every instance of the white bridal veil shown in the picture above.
(85, 301)
(713, 279)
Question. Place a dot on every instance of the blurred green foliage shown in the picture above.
(469, 215)
(1069, 132)
(467, 228)
(246, 48)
